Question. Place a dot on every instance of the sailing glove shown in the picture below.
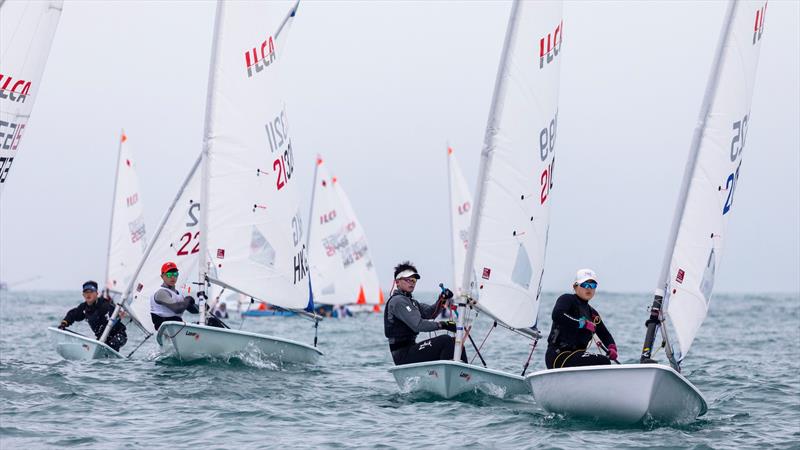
(448, 325)
(588, 324)
(63, 325)
(612, 352)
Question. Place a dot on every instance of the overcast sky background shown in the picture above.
(377, 89)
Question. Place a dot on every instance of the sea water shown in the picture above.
(745, 361)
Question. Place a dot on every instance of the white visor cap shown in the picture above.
(584, 275)
(408, 273)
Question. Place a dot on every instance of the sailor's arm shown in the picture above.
(561, 312)
(603, 333)
(75, 314)
(429, 311)
(402, 309)
(164, 298)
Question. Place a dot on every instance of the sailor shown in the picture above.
(575, 323)
(404, 318)
(96, 311)
(167, 304)
(221, 311)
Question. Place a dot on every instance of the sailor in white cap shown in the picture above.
(575, 323)
(404, 318)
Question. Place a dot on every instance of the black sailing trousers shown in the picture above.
(435, 349)
(556, 359)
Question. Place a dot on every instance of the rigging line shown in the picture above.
(177, 332)
(484, 341)
(469, 329)
(477, 351)
(530, 355)
(244, 314)
(140, 344)
(603, 347)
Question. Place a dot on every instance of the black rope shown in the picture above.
(476, 350)
(140, 344)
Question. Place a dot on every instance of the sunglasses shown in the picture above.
(171, 274)
(588, 285)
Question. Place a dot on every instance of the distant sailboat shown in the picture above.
(127, 237)
(341, 265)
(460, 212)
(504, 262)
(127, 240)
(26, 35)
(250, 235)
(632, 392)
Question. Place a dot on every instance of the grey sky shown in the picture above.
(378, 88)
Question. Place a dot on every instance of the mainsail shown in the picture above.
(127, 238)
(252, 233)
(712, 172)
(511, 218)
(341, 266)
(26, 33)
(176, 239)
(460, 212)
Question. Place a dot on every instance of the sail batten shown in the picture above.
(510, 221)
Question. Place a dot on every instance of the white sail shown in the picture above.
(341, 265)
(252, 230)
(460, 214)
(127, 239)
(176, 240)
(26, 34)
(712, 173)
(511, 218)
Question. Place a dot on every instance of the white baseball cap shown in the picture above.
(584, 275)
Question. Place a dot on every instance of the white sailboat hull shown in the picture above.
(620, 393)
(450, 378)
(189, 342)
(79, 347)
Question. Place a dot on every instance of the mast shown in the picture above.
(204, 257)
(311, 208)
(657, 317)
(486, 161)
(113, 208)
(450, 209)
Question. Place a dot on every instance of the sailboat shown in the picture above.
(249, 236)
(631, 393)
(504, 262)
(127, 241)
(340, 261)
(26, 35)
(460, 211)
